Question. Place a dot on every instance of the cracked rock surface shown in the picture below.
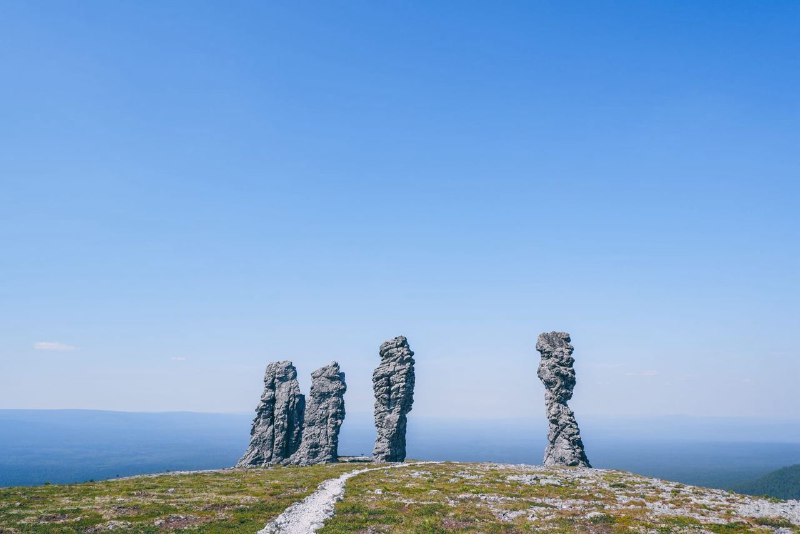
(323, 418)
(564, 444)
(277, 427)
(393, 383)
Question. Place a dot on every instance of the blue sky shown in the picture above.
(193, 189)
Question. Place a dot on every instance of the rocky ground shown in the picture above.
(456, 497)
(445, 497)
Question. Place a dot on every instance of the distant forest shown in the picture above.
(783, 484)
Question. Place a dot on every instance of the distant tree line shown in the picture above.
(782, 484)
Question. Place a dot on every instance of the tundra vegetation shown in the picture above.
(435, 498)
(231, 500)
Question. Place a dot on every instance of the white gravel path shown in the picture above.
(310, 514)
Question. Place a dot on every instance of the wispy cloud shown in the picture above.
(642, 373)
(53, 346)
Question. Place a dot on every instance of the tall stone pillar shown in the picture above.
(393, 383)
(277, 427)
(323, 418)
(564, 444)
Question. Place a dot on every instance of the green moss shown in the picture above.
(729, 528)
(773, 522)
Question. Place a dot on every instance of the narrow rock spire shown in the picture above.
(278, 424)
(323, 418)
(393, 383)
(564, 444)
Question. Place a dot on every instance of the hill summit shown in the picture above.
(392, 498)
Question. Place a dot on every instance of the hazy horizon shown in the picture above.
(38, 446)
(362, 415)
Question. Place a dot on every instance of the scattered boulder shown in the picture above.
(393, 383)
(556, 371)
(277, 427)
(323, 418)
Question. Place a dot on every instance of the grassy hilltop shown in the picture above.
(233, 500)
(434, 498)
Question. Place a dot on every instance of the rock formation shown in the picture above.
(564, 444)
(278, 424)
(393, 383)
(323, 418)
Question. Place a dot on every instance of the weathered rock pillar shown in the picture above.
(323, 418)
(564, 444)
(277, 427)
(393, 383)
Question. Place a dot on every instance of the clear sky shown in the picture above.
(193, 189)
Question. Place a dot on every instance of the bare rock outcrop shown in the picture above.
(277, 427)
(323, 418)
(564, 444)
(393, 383)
